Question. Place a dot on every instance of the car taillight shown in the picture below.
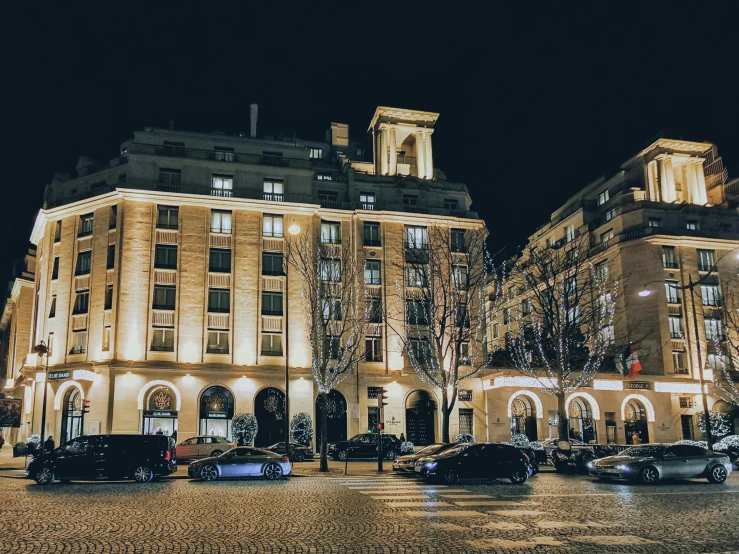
(231, 445)
(527, 458)
(168, 455)
(285, 459)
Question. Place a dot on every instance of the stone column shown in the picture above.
(429, 157)
(393, 153)
(420, 155)
(653, 179)
(383, 150)
(692, 184)
(667, 180)
(701, 193)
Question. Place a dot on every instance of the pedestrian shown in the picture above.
(174, 435)
(635, 438)
(2, 441)
(159, 431)
(402, 437)
(49, 444)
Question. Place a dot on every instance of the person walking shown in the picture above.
(402, 437)
(49, 444)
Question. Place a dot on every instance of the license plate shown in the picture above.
(609, 470)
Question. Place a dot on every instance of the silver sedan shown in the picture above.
(244, 461)
(651, 462)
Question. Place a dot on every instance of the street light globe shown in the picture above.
(645, 292)
(294, 229)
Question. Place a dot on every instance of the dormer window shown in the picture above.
(603, 197)
(223, 154)
(325, 177)
(274, 190)
(223, 185)
(451, 204)
(314, 153)
(367, 200)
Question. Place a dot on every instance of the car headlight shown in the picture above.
(623, 468)
(431, 465)
(591, 465)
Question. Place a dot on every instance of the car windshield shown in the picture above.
(644, 451)
(454, 451)
(430, 449)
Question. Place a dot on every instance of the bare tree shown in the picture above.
(559, 309)
(440, 318)
(334, 311)
(722, 338)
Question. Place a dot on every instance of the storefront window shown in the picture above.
(216, 412)
(160, 413)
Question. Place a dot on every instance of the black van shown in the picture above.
(139, 457)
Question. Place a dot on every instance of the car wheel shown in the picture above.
(519, 476)
(273, 471)
(44, 476)
(649, 475)
(451, 477)
(216, 453)
(717, 474)
(143, 474)
(209, 473)
(299, 456)
(391, 455)
(342, 455)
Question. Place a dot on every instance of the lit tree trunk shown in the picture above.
(324, 431)
(564, 424)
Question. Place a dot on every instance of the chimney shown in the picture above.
(253, 113)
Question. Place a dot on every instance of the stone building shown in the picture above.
(668, 215)
(159, 286)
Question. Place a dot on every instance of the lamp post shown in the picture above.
(42, 350)
(294, 230)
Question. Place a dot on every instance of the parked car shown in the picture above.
(420, 466)
(244, 461)
(202, 446)
(574, 458)
(365, 446)
(140, 457)
(479, 461)
(551, 443)
(651, 462)
(300, 452)
(407, 463)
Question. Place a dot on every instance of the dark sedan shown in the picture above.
(651, 462)
(479, 461)
(408, 462)
(300, 452)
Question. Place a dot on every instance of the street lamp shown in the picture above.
(42, 350)
(294, 230)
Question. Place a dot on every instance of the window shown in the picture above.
(372, 234)
(113, 217)
(506, 316)
(169, 180)
(679, 362)
(110, 263)
(603, 197)
(416, 237)
(324, 176)
(167, 217)
(718, 362)
(372, 272)
(217, 342)
(570, 286)
(272, 226)
(162, 340)
(669, 257)
(460, 277)
(601, 271)
(330, 232)
(466, 418)
(374, 310)
(671, 290)
(573, 315)
(451, 204)
(220, 260)
(686, 423)
(106, 339)
(710, 295)
(219, 301)
(462, 317)
(373, 349)
(83, 263)
(569, 233)
(58, 230)
(331, 308)
(410, 200)
(81, 303)
(315, 153)
(328, 199)
(692, 226)
(86, 225)
(415, 277)
(714, 329)
(608, 334)
(271, 344)
(458, 240)
(655, 222)
(610, 214)
(367, 200)
(271, 303)
(223, 154)
(464, 353)
(420, 351)
(274, 189)
(676, 326)
(496, 331)
(360, 152)
(464, 395)
(330, 270)
(417, 312)
(55, 269)
(52, 309)
(108, 297)
(705, 260)
(222, 185)
(686, 402)
(373, 393)
(271, 263)
(606, 236)
(176, 149)
(164, 298)
(79, 342)
(220, 222)
(165, 256)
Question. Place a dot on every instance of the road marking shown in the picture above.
(517, 513)
(502, 526)
(447, 513)
(574, 525)
(488, 544)
(613, 540)
(625, 493)
(418, 487)
(404, 491)
(493, 503)
(416, 503)
(399, 497)
(444, 493)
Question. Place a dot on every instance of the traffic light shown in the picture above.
(85, 407)
(381, 397)
(379, 426)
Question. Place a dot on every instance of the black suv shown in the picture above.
(139, 457)
(365, 446)
(479, 461)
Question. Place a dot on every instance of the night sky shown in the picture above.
(535, 101)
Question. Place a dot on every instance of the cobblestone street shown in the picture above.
(367, 513)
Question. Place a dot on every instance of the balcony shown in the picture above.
(78, 350)
(222, 156)
(330, 204)
(168, 187)
(224, 193)
(272, 312)
(274, 161)
(273, 197)
(415, 209)
(171, 151)
(216, 350)
(271, 352)
(372, 242)
(370, 206)
(161, 348)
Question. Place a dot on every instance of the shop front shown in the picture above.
(216, 412)
(160, 412)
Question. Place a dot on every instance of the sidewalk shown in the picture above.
(7, 462)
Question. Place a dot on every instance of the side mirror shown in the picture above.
(564, 445)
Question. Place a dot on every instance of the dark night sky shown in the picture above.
(535, 101)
